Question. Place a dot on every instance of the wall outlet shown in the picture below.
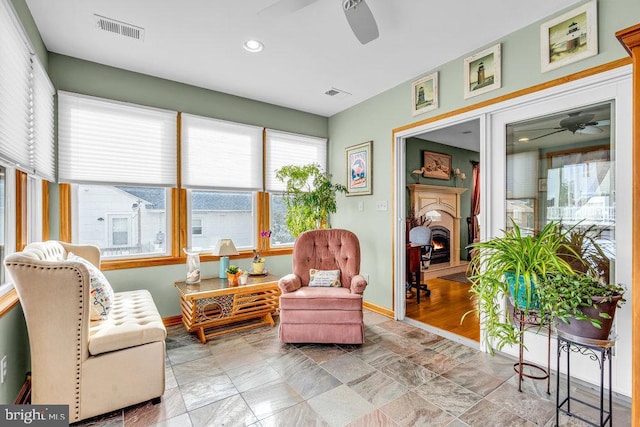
(3, 369)
(366, 276)
(360, 206)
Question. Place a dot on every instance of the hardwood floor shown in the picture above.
(445, 307)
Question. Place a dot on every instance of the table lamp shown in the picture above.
(223, 249)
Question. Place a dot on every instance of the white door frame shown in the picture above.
(584, 91)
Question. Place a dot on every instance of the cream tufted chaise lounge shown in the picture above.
(93, 366)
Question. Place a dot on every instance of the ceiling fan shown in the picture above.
(576, 123)
(357, 12)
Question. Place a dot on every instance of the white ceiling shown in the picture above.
(307, 52)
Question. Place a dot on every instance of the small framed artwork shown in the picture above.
(482, 72)
(359, 176)
(436, 165)
(569, 37)
(425, 94)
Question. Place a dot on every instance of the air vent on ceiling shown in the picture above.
(118, 27)
(337, 93)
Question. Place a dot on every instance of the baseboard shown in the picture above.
(378, 309)
(172, 321)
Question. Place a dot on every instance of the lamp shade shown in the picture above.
(225, 247)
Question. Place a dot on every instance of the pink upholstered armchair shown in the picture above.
(316, 306)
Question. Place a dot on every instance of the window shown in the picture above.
(3, 222)
(283, 148)
(120, 160)
(120, 227)
(559, 168)
(196, 226)
(222, 171)
(26, 136)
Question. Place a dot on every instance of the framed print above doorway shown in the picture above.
(570, 37)
(482, 72)
(425, 94)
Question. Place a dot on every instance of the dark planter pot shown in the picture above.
(584, 328)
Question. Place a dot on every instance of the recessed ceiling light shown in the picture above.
(523, 139)
(253, 46)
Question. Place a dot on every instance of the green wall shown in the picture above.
(375, 119)
(460, 159)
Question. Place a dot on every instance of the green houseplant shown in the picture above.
(581, 304)
(514, 264)
(310, 196)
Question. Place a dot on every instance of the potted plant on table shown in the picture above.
(257, 264)
(309, 195)
(514, 265)
(233, 274)
(581, 304)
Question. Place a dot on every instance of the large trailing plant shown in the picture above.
(310, 196)
(563, 297)
(529, 259)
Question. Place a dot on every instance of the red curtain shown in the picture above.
(475, 200)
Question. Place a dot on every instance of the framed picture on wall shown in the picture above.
(482, 72)
(569, 37)
(359, 169)
(436, 165)
(425, 94)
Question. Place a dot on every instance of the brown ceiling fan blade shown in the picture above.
(546, 134)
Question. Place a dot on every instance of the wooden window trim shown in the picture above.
(8, 301)
(22, 220)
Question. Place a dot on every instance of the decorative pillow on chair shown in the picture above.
(101, 292)
(324, 278)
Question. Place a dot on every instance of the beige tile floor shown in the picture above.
(401, 376)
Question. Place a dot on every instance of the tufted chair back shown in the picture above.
(330, 249)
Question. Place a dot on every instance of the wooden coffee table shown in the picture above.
(213, 308)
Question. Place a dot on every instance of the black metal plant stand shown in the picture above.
(597, 350)
(527, 319)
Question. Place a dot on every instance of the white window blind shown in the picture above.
(15, 92)
(110, 142)
(42, 150)
(522, 175)
(221, 155)
(291, 149)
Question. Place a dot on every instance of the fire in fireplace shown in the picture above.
(440, 237)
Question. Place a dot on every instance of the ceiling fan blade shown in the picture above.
(284, 7)
(361, 20)
(546, 134)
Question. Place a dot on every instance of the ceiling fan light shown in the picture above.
(253, 45)
(590, 130)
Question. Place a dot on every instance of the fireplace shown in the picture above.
(442, 205)
(441, 238)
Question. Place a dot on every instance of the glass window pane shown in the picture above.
(223, 214)
(122, 221)
(280, 235)
(3, 243)
(559, 168)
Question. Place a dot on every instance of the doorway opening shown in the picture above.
(442, 167)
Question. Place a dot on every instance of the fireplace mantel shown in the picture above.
(446, 200)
